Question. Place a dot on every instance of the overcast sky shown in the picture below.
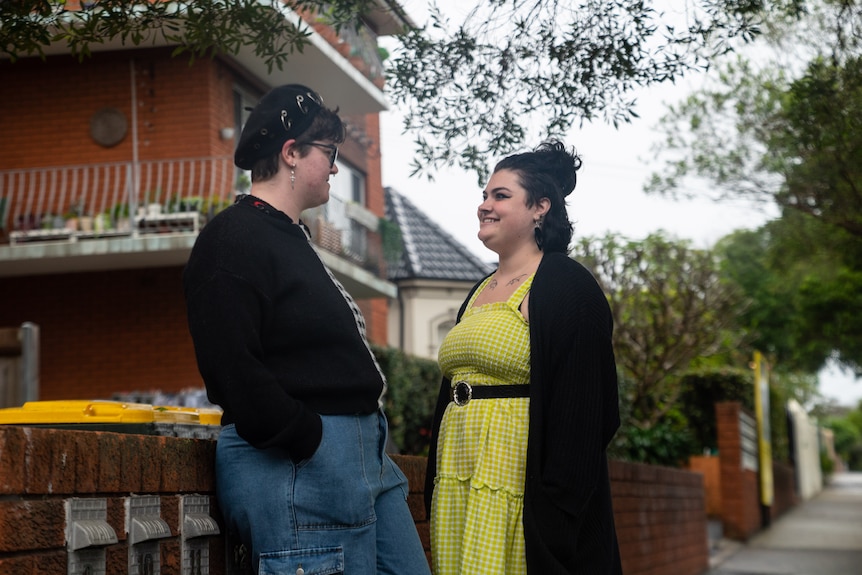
(609, 195)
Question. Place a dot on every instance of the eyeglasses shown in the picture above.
(333, 150)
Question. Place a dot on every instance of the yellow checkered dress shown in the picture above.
(477, 509)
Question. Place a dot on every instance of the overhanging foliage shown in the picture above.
(670, 308)
(199, 28)
(510, 73)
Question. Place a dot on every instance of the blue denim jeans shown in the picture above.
(343, 510)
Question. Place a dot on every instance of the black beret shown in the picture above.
(283, 113)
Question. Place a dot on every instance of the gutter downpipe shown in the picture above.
(400, 320)
(135, 176)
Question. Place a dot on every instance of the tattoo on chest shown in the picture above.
(493, 283)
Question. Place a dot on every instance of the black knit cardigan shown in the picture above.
(574, 413)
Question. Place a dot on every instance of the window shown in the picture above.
(345, 187)
(348, 185)
(440, 332)
(243, 101)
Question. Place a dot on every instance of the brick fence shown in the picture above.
(741, 510)
(49, 475)
(660, 516)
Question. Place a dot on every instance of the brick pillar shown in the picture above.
(740, 495)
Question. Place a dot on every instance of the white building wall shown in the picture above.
(422, 313)
(806, 451)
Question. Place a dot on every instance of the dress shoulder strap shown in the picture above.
(519, 294)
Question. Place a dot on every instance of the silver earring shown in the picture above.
(292, 177)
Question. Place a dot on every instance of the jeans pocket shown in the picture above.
(336, 472)
(316, 561)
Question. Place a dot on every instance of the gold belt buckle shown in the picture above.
(462, 393)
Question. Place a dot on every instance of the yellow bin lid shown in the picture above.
(105, 411)
(178, 414)
(174, 414)
(210, 415)
(77, 411)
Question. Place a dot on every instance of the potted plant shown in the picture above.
(214, 205)
(73, 215)
(47, 221)
(186, 204)
(173, 204)
(120, 217)
(85, 223)
(151, 207)
(242, 184)
(102, 222)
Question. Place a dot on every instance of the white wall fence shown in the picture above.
(805, 444)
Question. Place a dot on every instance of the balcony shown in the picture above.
(321, 65)
(130, 215)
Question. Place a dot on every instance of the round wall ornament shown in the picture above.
(108, 127)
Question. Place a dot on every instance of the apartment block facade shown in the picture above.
(110, 166)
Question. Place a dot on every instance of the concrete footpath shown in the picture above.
(821, 536)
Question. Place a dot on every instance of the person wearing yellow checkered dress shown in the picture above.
(517, 479)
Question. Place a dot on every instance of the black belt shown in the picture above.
(463, 392)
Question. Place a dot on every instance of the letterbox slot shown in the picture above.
(87, 525)
(91, 533)
(147, 528)
(199, 525)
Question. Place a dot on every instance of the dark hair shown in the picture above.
(549, 171)
(326, 126)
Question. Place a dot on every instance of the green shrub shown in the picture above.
(827, 466)
(413, 385)
(618, 448)
(701, 390)
(848, 441)
(854, 460)
(778, 425)
(668, 442)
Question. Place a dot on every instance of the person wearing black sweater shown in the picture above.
(302, 477)
(517, 478)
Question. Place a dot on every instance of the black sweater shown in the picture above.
(276, 341)
(574, 413)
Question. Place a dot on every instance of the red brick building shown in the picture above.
(110, 166)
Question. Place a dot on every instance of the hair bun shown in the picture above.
(562, 164)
